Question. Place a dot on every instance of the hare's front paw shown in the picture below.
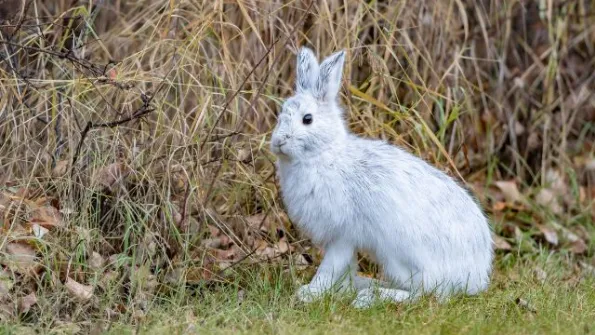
(309, 293)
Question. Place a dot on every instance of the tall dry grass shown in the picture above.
(145, 123)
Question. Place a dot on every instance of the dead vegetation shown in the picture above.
(133, 153)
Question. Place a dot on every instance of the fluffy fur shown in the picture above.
(353, 194)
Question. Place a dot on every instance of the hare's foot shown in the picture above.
(360, 283)
(309, 293)
(367, 297)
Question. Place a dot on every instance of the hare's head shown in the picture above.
(311, 120)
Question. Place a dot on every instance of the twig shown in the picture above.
(237, 91)
(142, 111)
(236, 131)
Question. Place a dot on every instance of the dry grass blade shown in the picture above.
(131, 129)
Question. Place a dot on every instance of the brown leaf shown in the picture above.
(26, 302)
(225, 254)
(550, 235)
(499, 206)
(214, 230)
(510, 191)
(21, 258)
(257, 221)
(78, 290)
(547, 198)
(282, 246)
(47, 217)
(211, 243)
(567, 234)
(578, 247)
(500, 243)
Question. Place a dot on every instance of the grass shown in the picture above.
(260, 301)
(153, 171)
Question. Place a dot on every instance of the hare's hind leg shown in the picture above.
(367, 297)
(362, 283)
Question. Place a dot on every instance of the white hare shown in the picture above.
(352, 194)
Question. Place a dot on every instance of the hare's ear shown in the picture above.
(307, 70)
(329, 78)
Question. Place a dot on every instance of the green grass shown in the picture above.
(260, 301)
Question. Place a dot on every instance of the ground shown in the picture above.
(533, 295)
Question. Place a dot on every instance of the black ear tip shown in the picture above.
(339, 55)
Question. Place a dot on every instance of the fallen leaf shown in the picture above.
(78, 290)
(26, 302)
(547, 198)
(211, 243)
(282, 247)
(578, 247)
(214, 230)
(228, 254)
(46, 216)
(510, 191)
(500, 243)
(39, 231)
(499, 206)
(267, 253)
(567, 234)
(550, 235)
(255, 221)
(21, 258)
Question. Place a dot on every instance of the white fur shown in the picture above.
(353, 194)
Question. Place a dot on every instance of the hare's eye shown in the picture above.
(307, 119)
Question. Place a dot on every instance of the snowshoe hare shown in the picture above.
(351, 194)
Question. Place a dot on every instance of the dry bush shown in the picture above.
(141, 127)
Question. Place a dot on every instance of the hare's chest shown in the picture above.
(314, 202)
